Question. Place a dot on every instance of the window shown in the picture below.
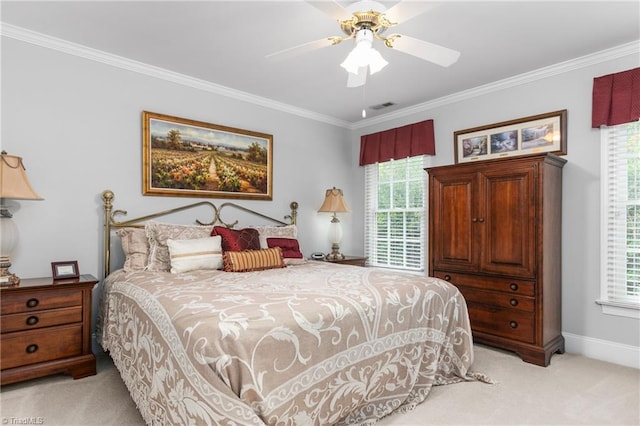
(620, 288)
(395, 214)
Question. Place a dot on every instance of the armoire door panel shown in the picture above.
(453, 213)
(509, 222)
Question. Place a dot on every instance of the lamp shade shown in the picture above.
(13, 179)
(333, 202)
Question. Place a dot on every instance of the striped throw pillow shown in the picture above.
(253, 260)
(198, 253)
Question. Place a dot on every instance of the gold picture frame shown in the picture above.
(528, 135)
(189, 158)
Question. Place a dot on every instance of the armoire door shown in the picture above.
(508, 220)
(452, 240)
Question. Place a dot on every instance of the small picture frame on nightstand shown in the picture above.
(65, 270)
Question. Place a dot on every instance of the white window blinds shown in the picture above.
(395, 214)
(621, 217)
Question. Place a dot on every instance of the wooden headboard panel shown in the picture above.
(110, 221)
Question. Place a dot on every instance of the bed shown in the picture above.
(300, 343)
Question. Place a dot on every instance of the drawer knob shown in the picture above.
(513, 286)
(32, 303)
(447, 277)
(513, 302)
(513, 324)
(32, 320)
(32, 348)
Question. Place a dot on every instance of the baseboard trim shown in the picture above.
(603, 350)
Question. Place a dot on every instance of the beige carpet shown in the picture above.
(573, 390)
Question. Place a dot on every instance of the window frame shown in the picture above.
(372, 184)
(630, 308)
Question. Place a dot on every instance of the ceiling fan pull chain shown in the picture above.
(364, 110)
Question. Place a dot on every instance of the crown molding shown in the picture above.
(617, 52)
(64, 46)
(39, 39)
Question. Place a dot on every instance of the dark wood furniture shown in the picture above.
(45, 329)
(351, 260)
(495, 233)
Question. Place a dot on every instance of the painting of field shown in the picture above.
(189, 158)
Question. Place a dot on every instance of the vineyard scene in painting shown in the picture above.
(193, 158)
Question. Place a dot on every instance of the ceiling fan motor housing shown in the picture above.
(372, 20)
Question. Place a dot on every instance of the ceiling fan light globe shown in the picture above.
(350, 64)
(376, 61)
(364, 55)
(357, 58)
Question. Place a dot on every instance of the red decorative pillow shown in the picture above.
(290, 247)
(237, 239)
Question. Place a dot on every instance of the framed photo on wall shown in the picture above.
(189, 158)
(528, 135)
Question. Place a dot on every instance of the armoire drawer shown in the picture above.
(508, 323)
(498, 299)
(485, 282)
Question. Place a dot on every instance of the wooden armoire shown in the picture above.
(495, 233)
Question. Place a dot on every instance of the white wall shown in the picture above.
(77, 124)
(583, 323)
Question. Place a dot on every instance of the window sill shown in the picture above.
(628, 310)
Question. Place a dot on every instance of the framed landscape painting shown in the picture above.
(529, 135)
(188, 158)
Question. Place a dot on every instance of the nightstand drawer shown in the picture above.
(35, 346)
(38, 301)
(40, 319)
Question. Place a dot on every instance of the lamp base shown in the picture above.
(335, 253)
(7, 279)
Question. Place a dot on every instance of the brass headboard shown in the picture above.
(111, 222)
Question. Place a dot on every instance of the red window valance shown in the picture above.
(616, 98)
(402, 142)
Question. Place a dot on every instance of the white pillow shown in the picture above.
(286, 231)
(194, 254)
(158, 234)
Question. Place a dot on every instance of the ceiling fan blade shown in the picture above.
(440, 55)
(405, 10)
(357, 80)
(331, 8)
(304, 48)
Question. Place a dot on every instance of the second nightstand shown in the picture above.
(351, 260)
(46, 329)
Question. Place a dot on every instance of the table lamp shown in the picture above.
(13, 185)
(334, 203)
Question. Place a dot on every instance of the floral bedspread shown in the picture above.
(310, 344)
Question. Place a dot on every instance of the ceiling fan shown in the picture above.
(366, 21)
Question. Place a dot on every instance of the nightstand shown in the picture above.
(45, 328)
(351, 260)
